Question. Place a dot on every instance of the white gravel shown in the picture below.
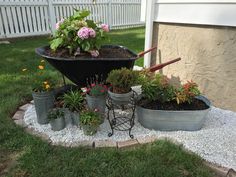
(215, 142)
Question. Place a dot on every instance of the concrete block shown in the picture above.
(128, 143)
(18, 115)
(105, 143)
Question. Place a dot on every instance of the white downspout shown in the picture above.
(150, 10)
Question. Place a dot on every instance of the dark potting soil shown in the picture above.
(103, 53)
(173, 106)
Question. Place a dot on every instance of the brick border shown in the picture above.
(18, 118)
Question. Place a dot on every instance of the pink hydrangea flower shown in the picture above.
(59, 23)
(105, 27)
(92, 33)
(94, 53)
(84, 33)
(96, 110)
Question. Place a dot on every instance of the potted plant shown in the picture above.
(167, 107)
(74, 102)
(90, 120)
(121, 80)
(56, 118)
(76, 35)
(96, 93)
(42, 92)
(76, 49)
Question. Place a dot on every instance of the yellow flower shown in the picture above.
(42, 61)
(47, 86)
(24, 69)
(41, 67)
(45, 82)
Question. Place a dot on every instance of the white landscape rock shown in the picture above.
(137, 68)
(215, 142)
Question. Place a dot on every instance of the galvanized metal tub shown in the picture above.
(173, 120)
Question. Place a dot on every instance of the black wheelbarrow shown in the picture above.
(78, 70)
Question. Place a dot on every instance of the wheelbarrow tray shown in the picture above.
(78, 70)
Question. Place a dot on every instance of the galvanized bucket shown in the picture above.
(57, 124)
(97, 102)
(189, 120)
(75, 118)
(68, 117)
(43, 102)
(120, 99)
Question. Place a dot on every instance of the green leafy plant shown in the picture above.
(122, 80)
(78, 34)
(73, 100)
(91, 118)
(187, 92)
(55, 113)
(158, 88)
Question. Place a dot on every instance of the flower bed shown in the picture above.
(211, 143)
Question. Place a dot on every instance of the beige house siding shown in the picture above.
(208, 57)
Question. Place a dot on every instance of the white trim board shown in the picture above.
(195, 1)
(220, 14)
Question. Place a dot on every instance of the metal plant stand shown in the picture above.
(118, 121)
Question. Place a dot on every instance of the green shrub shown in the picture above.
(157, 87)
(187, 92)
(122, 79)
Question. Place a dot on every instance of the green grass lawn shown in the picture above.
(22, 154)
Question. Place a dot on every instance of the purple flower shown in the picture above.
(59, 23)
(105, 27)
(92, 33)
(84, 33)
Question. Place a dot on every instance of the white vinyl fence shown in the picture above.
(20, 18)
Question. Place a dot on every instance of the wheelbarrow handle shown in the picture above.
(160, 66)
(141, 54)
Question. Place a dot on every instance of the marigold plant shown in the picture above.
(41, 82)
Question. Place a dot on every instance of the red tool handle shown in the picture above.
(141, 54)
(160, 66)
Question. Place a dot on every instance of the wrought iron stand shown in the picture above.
(121, 122)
